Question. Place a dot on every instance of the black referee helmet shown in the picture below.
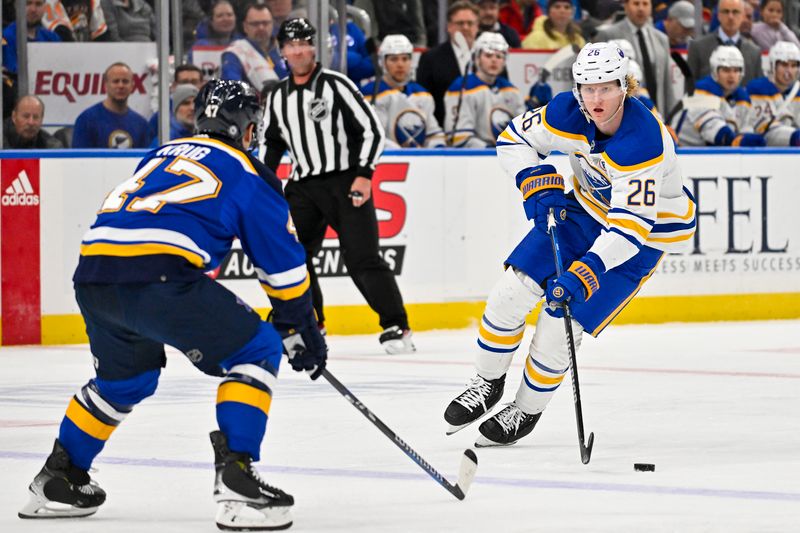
(296, 29)
(226, 108)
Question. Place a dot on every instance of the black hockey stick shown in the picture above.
(586, 449)
(469, 461)
(688, 85)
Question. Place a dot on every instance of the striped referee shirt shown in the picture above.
(325, 124)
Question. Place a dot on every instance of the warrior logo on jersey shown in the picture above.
(120, 139)
(593, 177)
(409, 129)
(499, 117)
(317, 109)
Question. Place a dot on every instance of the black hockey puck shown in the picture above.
(644, 467)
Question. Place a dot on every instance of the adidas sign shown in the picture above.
(20, 192)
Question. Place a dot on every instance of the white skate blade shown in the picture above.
(483, 442)
(238, 516)
(39, 507)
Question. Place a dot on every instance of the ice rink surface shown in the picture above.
(714, 406)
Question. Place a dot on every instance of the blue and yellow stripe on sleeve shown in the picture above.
(285, 285)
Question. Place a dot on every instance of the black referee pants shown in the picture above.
(321, 201)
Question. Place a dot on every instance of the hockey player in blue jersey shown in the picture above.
(140, 284)
(775, 99)
(480, 105)
(627, 207)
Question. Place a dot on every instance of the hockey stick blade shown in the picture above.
(469, 466)
(586, 450)
(469, 462)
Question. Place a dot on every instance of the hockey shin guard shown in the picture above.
(547, 363)
(503, 322)
(245, 395)
(95, 412)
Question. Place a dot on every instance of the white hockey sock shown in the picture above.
(503, 322)
(547, 363)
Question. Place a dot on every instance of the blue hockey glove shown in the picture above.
(577, 284)
(306, 349)
(749, 139)
(795, 139)
(542, 188)
(540, 94)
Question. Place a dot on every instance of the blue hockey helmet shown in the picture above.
(226, 108)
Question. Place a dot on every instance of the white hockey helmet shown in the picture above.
(599, 63)
(626, 47)
(489, 41)
(395, 44)
(782, 51)
(725, 56)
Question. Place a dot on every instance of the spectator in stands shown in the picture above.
(359, 57)
(746, 28)
(652, 49)
(111, 123)
(24, 128)
(34, 11)
(731, 15)
(489, 20)
(220, 28)
(519, 15)
(181, 122)
(555, 30)
(718, 113)
(395, 17)
(280, 10)
(678, 25)
(774, 116)
(184, 74)
(439, 66)
(480, 106)
(256, 58)
(130, 20)
(405, 108)
(76, 20)
(771, 28)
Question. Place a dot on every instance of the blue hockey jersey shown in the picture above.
(178, 215)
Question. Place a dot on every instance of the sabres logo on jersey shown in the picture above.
(594, 177)
(499, 117)
(409, 129)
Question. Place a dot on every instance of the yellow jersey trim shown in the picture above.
(135, 250)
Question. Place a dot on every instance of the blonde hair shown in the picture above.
(633, 85)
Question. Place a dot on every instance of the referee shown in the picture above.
(334, 139)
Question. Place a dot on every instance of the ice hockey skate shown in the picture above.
(506, 427)
(479, 398)
(62, 490)
(245, 502)
(395, 340)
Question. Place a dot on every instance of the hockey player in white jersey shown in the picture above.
(627, 207)
(405, 108)
(479, 106)
(718, 113)
(775, 99)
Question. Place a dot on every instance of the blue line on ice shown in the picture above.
(509, 482)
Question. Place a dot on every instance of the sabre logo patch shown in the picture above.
(318, 109)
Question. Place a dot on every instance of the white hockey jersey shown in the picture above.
(484, 111)
(406, 114)
(707, 113)
(771, 115)
(630, 182)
